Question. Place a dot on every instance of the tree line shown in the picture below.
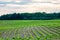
(30, 16)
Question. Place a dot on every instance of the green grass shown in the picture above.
(5, 24)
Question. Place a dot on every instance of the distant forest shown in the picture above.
(31, 16)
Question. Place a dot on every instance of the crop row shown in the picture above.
(31, 33)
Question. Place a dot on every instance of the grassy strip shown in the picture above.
(8, 24)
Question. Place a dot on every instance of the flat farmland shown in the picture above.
(29, 29)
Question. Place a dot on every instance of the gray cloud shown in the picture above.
(23, 2)
(47, 1)
(18, 3)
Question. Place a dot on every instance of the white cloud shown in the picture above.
(12, 5)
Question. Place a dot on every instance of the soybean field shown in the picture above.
(29, 29)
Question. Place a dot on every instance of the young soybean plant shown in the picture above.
(4, 35)
(18, 36)
(31, 37)
(37, 37)
(8, 34)
(1, 33)
(14, 37)
(24, 32)
(40, 32)
(45, 30)
(1, 39)
(51, 32)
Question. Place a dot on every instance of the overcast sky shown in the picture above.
(11, 6)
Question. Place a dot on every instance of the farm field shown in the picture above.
(29, 29)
